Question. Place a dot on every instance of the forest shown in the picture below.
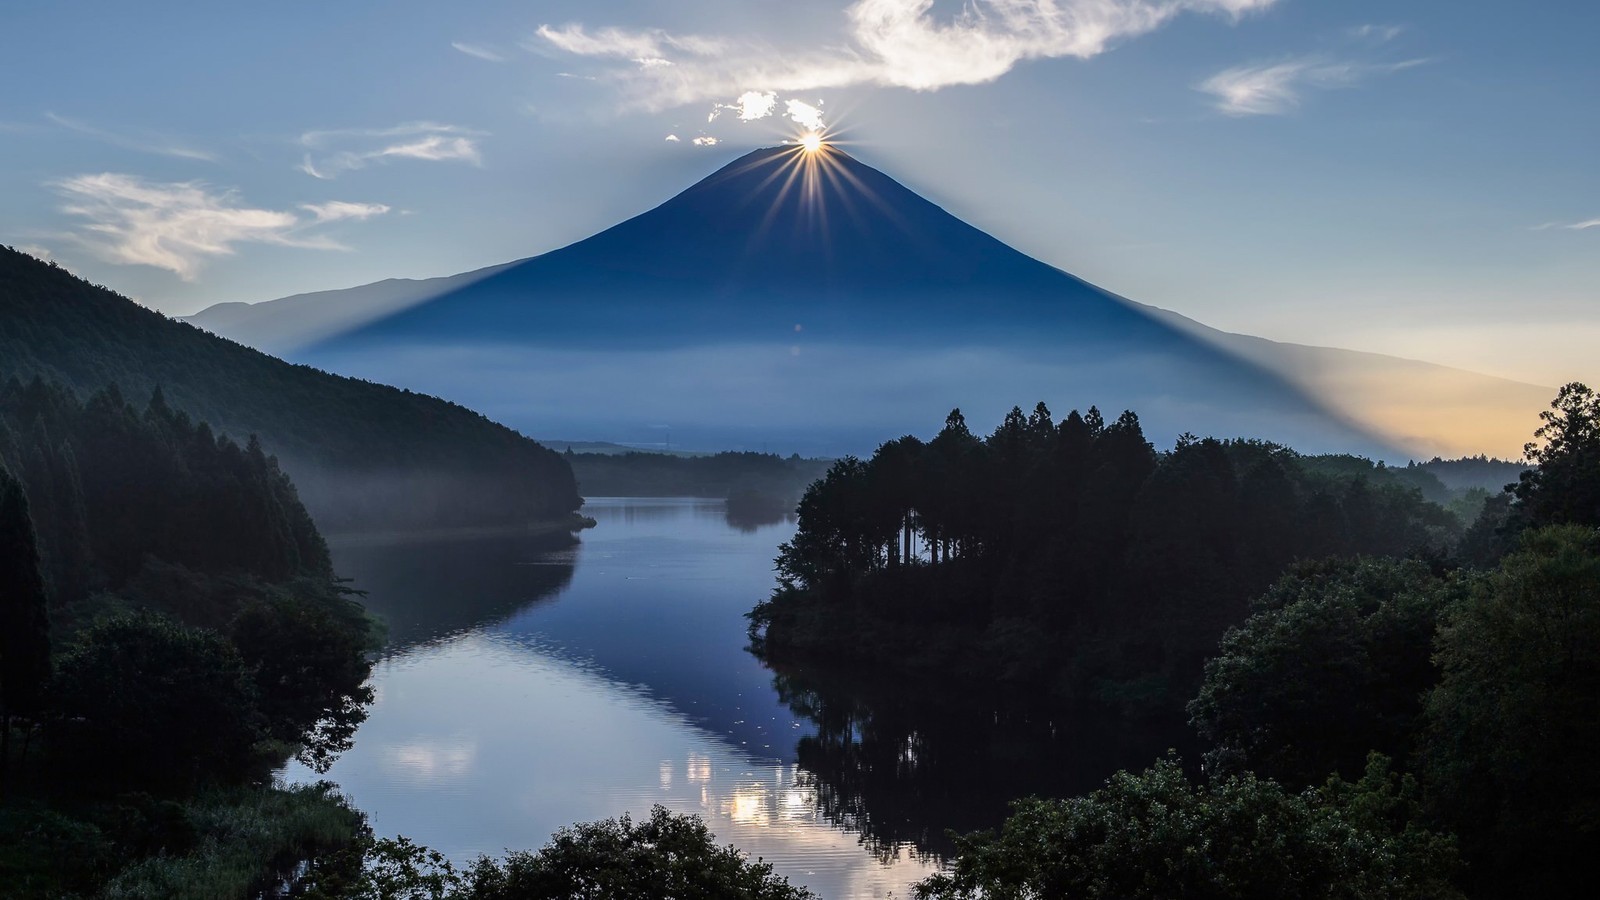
(1071, 557)
(364, 456)
(1403, 709)
(719, 475)
(171, 631)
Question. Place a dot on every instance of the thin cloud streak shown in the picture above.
(1276, 88)
(1584, 225)
(157, 147)
(889, 43)
(478, 51)
(1378, 34)
(428, 141)
(336, 210)
(178, 225)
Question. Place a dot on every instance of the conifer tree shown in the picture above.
(24, 621)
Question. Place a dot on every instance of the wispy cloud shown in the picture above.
(893, 43)
(177, 226)
(1377, 34)
(1583, 225)
(429, 141)
(478, 51)
(155, 144)
(673, 139)
(1276, 88)
(335, 210)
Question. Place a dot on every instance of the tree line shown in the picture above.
(1413, 722)
(1069, 556)
(171, 631)
(363, 455)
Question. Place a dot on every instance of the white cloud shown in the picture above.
(622, 44)
(1276, 88)
(894, 43)
(177, 226)
(334, 210)
(750, 106)
(672, 138)
(804, 114)
(1377, 34)
(429, 141)
(478, 51)
(1584, 225)
(1258, 90)
(706, 141)
(161, 146)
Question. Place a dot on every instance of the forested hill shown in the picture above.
(363, 455)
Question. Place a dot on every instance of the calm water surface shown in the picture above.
(529, 689)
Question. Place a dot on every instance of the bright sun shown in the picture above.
(811, 141)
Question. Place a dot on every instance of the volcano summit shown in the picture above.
(800, 299)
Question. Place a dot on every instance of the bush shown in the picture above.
(1333, 664)
(1156, 835)
(667, 855)
(144, 701)
(247, 840)
(1515, 719)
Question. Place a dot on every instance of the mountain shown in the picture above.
(810, 302)
(364, 456)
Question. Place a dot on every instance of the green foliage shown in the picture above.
(1157, 835)
(115, 486)
(1334, 663)
(1514, 722)
(244, 841)
(667, 855)
(1565, 485)
(142, 700)
(1069, 556)
(306, 654)
(24, 616)
(718, 475)
(365, 455)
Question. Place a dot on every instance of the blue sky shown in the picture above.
(1416, 178)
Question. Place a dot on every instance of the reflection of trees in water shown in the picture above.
(901, 763)
(428, 588)
(748, 510)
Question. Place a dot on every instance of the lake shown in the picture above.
(528, 688)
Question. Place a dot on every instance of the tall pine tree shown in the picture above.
(24, 620)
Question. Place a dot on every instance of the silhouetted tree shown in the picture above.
(1515, 719)
(1564, 486)
(24, 619)
(1155, 835)
(142, 700)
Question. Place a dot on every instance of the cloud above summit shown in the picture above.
(887, 43)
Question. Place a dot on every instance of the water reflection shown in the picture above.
(902, 763)
(429, 587)
(532, 687)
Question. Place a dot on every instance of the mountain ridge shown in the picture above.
(821, 255)
(362, 454)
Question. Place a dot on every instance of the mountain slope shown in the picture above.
(809, 300)
(363, 455)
